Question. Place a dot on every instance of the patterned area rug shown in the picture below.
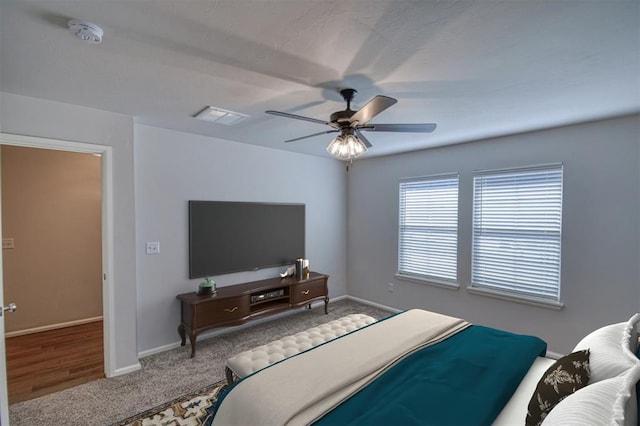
(195, 409)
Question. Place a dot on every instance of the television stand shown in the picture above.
(237, 304)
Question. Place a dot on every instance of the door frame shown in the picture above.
(4, 397)
(108, 311)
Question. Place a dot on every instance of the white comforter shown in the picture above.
(299, 390)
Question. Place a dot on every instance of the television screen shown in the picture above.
(227, 237)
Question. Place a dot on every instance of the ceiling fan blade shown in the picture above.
(364, 140)
(310, 136)
(297, 117)
(372, 108)
(405, 128)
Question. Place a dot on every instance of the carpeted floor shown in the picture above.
(168, 375)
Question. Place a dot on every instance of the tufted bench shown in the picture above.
(263, 356)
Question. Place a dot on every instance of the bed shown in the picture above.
(420, 367)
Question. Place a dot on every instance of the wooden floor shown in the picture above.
(50, 361)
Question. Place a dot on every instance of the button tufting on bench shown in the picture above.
(258, 358)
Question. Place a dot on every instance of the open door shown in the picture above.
(4, 397)
(4, 400)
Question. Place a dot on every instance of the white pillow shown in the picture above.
(612, 349)
(608, 402)
(630, 336)
(625, 409)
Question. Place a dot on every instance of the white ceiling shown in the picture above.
(476, 68)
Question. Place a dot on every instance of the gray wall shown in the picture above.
(173, 167)
(36, 117)
(600, 237)
(601, 232)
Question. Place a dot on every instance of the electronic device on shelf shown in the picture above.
(266, 296)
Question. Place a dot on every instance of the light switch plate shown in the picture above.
(7, 243)
(153, 248)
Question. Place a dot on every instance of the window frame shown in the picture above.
(402, 272)
(499, 291)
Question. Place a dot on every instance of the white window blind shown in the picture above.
(517, 222)
(428, 235)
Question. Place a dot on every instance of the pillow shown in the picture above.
(564, 377)
(612, 349)
(625, 409)
(630, 336)
(607, 402)
(638, 383)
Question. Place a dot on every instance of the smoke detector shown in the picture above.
(86, 31)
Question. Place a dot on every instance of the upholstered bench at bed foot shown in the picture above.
(258, 358)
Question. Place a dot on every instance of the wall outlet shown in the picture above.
(391, 287)
(152, 248)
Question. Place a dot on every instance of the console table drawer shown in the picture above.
(307, 291)
(222, 311)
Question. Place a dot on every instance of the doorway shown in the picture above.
(105, 234)
(51, 222)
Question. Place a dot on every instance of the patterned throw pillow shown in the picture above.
(564, 377)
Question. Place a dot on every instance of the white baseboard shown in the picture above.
(550, 354)
(374, 304)
(51, 327)
(126, 370)
(221, 331)
(217, 332)
(553, 355)
(159, 349)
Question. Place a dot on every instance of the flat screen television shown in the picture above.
(227, 237)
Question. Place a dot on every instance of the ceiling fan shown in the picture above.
(351, 143)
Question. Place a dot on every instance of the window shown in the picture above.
(428, 235)
(517, 217)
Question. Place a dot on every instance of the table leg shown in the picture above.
(192, 339)
(183, 336)
(326, 305)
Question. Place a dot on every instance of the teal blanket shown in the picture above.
(464, 380)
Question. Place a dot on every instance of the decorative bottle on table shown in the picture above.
(299, 268)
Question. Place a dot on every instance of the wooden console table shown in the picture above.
(236, 304)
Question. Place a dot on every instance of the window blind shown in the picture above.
(517, 222)
(428, 234)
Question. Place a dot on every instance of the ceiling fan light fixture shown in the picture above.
(352, 143)
(346, 147)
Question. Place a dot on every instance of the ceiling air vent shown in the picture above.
(220, 116)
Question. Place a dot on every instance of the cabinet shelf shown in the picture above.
(268, 301)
